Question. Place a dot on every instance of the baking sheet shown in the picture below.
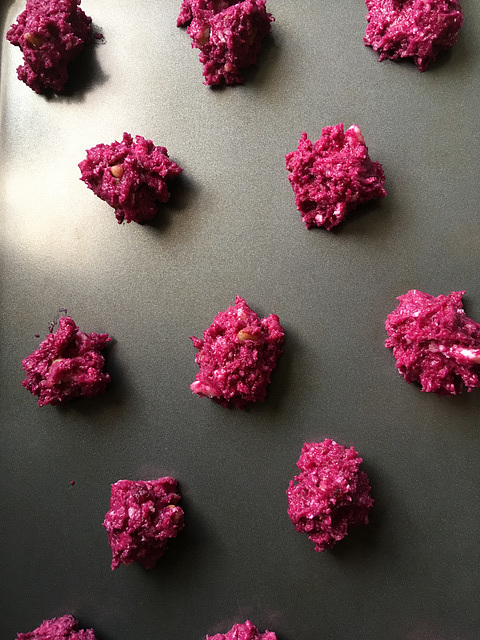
(230, 228)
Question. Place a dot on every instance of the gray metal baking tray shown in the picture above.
(230, 228)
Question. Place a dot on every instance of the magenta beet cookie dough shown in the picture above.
(50, 33)
(66, 365)
(64, 628)
(246, 631)
(237, 356)
(229, 35)
(412, 28)
(144, 515)
(130, 176)
(330, 494)
(333, 175)
(434, 342)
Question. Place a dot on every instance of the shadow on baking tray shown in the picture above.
(183, 192)
(84, 73)
(185, 554)
(260, 73)
(269, 56)
(363, 540)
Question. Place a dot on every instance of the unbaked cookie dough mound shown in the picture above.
(245, 631)
(237, 356)
(50, 33)
(66, 365)
(131, 176)
(333, 175)
(228, 34)
(412, 28)
(434, 342)
(144, 515)
(64, 628)
(330, 494)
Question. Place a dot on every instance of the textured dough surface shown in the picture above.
(144, 515)
(245, 631)
(66, 365)
(333, 175)
(131, 176)
(417, 29)
(64, 628)
(434, 342)
(237, 355)
(330, 494)
(50, 33)
(229, 35)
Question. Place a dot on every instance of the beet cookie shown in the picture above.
(237, 355)
(414, 29)
(330, 494)
(245, 631)
(434, 342)
(131, 176)
(144, 515)
(50, 33)
(64, 628)
(66, 365)
(228, 33)
(333, 175)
